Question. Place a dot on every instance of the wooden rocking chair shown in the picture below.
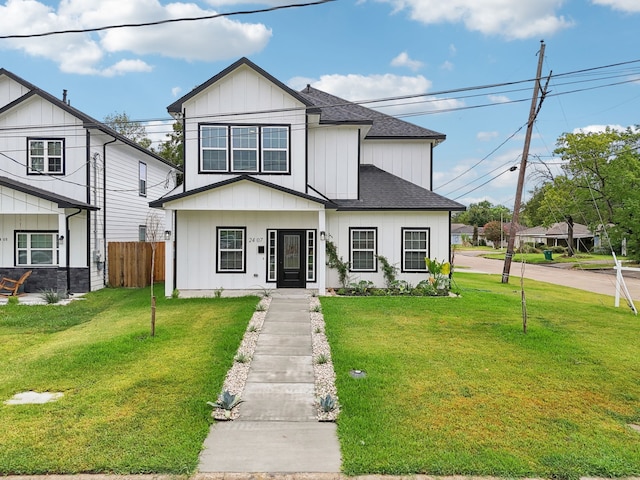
(10, 287)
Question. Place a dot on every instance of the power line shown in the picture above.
(163, 22)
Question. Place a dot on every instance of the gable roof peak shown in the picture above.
(176, 107)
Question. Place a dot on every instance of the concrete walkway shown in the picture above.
(277, 431)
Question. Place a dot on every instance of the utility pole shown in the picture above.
(533, 112)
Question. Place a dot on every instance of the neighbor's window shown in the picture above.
(45, 156)
(415, 248)
(231, 249)
(363, 249)
(142, 175)
(142, 233)
(36, 248)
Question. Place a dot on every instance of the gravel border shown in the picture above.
(325, 375)
(237, 375)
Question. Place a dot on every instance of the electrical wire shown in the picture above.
(163, 22)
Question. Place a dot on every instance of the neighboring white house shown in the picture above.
(272, 174)
(557, 235)
(68, 186)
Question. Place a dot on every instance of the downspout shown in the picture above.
(68, 247)
(184, 152)
(104, 206)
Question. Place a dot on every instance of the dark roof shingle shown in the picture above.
(380, 190)
(338, 110)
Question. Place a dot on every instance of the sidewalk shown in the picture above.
(277, 431)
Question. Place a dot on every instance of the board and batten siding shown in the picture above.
(407, 159)
(197, 242)
(333, 161)
(389, 227)
(244, 90)
(60, 125)
(10, 90)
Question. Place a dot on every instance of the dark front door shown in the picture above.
(291, 259)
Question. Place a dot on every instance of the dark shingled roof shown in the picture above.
(60, 200)
(337, 110)
(380, 190)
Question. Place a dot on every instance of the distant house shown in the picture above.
(68, 185)
(557, 235)
(273, 174)
(461, 232)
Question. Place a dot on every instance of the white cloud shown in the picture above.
(452, 50)
(447, 65)
(599, 128)
(175, 91)
(97, 53)
(499, 98)
(157, 131)
(486, 136)
(403, 60)
(359, 88)
(513, 20)
(629, 6)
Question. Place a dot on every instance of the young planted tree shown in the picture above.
(153, 228)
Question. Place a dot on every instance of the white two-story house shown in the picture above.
(68, 186)
(272, 174)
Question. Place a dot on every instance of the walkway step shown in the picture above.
(278, 402)
(282, 447)
(281, 369)
(286, 328)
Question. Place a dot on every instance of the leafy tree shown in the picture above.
(482, 213)
(493, 232)
(599, 184)
(171, 149)
(134, 131)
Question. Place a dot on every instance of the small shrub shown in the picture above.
(253, 328)
(322, 359)
(361, 288)
(316, 308)
(227, 402)
(318, 330)
(559, 249)
(13, 300)
(328, 403)
(217, 293)
(50, 296)
(242, 358)
(175, 294)
(400, 287)
(260, 307)
(342, 291)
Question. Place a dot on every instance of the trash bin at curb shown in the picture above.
(547, 255)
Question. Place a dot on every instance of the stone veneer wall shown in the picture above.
(50, 279)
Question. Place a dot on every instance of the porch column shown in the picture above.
(169, 235)
(62, 240)
(322, 254)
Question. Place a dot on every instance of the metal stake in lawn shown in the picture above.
(533, 113)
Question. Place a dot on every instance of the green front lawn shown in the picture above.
(453, 385)
(132, 403)
(584, 258)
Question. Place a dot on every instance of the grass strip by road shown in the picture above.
(453, 386)
(132, 403)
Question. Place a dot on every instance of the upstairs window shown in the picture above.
(244, 151)
(363, 249)
(214, 149)
(36, 248)
(142, 179)
(275, 149)
(46, 156)
(244, 148)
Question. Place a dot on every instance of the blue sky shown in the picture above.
(359, 50)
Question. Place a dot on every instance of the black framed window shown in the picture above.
(415, 248)
(231, 253)
(363, 249)
(36, 248)
(45, 156)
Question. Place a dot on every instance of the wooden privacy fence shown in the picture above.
(130, 263)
